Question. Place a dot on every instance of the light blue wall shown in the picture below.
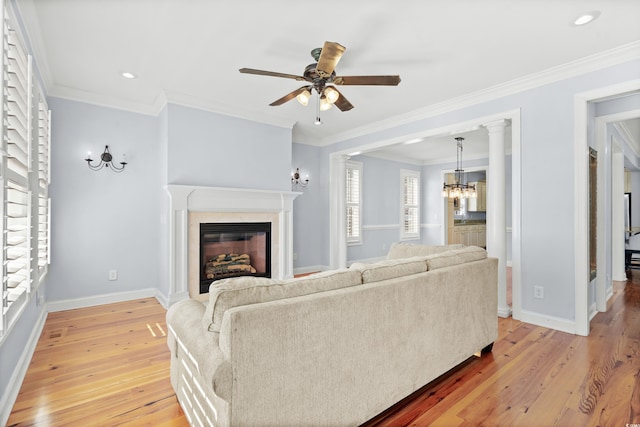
(310, 211)
(547, 157)
(380, 207)
(103, 220)
(221, 151)
(12, 350)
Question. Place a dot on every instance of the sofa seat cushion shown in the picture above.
(408, 250)
(228, 293)
(390, 269)
(455, 257)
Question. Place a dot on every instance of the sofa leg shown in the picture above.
(487, 349)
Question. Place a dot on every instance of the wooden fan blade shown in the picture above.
(290, 96)
(329, 57)
(271, 73)
(342, 103)
(367, 80)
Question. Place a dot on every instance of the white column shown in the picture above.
(617, 220)
(496, 210)
(338, 205)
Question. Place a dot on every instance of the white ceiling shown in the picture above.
(189, 51)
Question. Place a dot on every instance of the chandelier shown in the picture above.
(458, 190)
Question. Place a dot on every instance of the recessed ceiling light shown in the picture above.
(413, 141)
(128, 75)
(585, 18)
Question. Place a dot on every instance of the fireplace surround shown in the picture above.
(189, 206)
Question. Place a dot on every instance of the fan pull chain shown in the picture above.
(318, 122)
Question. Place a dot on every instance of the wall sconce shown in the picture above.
(106, 160)
(296, 180)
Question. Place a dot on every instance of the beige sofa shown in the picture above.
(334, 348)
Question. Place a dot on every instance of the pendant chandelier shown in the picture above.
(458, 190)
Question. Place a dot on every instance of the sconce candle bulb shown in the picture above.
(297, 180)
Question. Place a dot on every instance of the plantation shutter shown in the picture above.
(16, 197)
(44, 177)
(354, 226)
(410, 204)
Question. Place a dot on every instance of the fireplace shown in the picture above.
(234, 249)
(190, 206)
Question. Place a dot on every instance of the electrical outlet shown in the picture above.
(538, 292)
(295, 256)
(113, 274)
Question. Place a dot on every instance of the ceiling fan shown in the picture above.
(321, 77)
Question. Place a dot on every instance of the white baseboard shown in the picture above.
(552, 322)
(174, 298)
(504, 311)
(71, 304)
(9, 397)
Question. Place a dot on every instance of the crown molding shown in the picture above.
(245, 114)
(160, 102)
(72, 94)
(615, 56)
(628, 137)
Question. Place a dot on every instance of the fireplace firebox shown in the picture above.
(234, 249)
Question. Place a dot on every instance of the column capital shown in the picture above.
(496, 125)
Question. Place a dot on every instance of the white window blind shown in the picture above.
(44, 203)
(17, 238)
(354, 202)
(410, 209)
(44, 143)
(24, 175)
(18, 107)
(43, 233)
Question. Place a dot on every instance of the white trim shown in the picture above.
(626, 134)
(581, 196)
(351, 164)
(381, 227)
(618, 55)
(20, 370)
(409, 173)
(552, 322)
(71, 304)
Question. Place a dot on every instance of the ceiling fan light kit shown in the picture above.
(322, 73)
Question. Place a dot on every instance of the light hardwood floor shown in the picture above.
(108, 366)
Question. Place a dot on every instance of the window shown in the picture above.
(410, 204)
(44, 177)
(354, 202)
(24, 177)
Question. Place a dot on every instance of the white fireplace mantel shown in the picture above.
(226, 204)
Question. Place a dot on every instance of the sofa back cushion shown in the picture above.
(409, 250)
(455, 257)
(390, 269)
(227, 293)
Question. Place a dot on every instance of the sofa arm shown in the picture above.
(199, 349)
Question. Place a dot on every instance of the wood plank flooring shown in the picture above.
(108, 366)
(100, 366)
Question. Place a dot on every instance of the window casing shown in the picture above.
(24, 175)
(410, 205)
(354, 202)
